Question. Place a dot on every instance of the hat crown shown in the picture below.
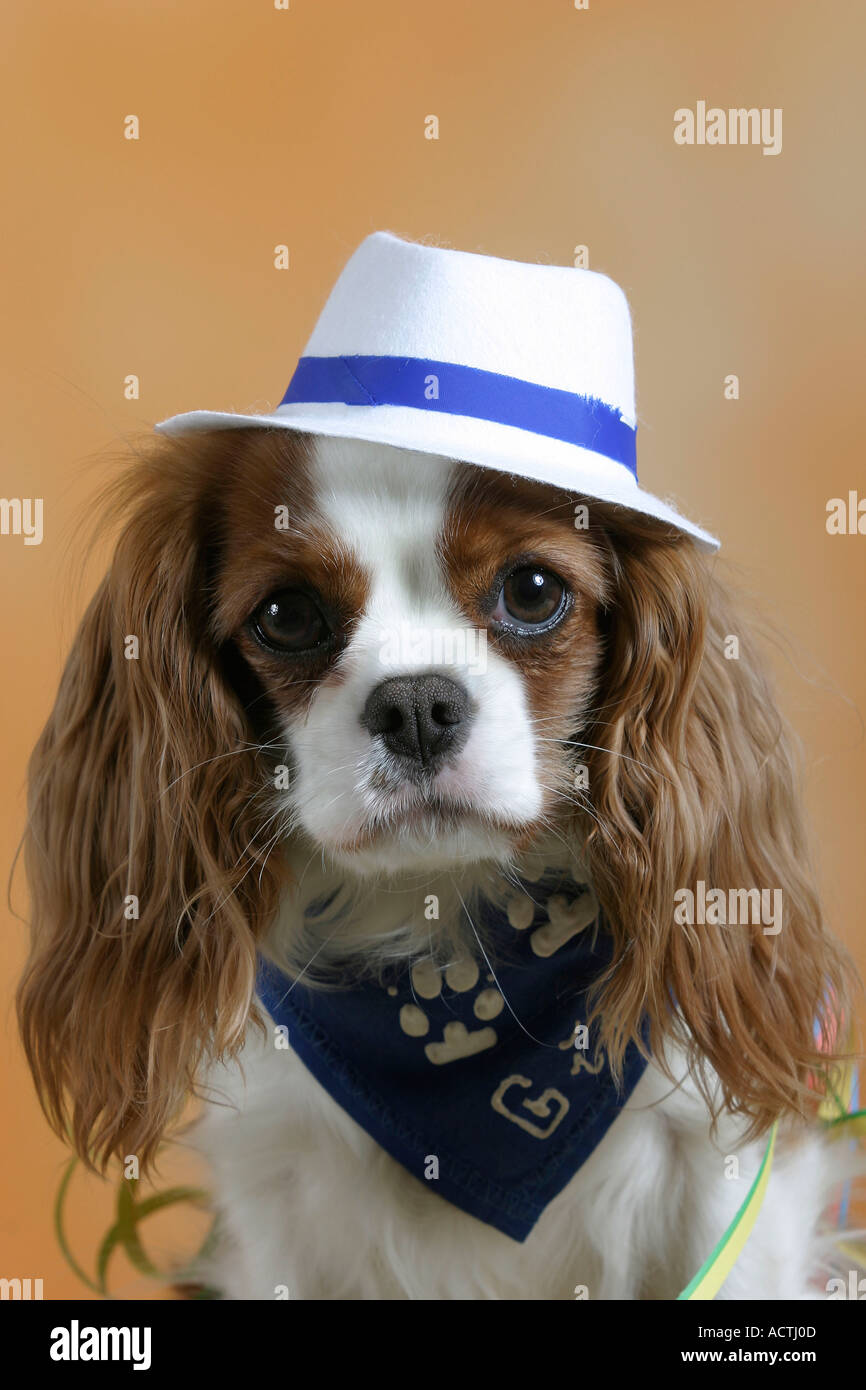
(555, 326)
(525, 369)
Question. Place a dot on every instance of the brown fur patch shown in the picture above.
(258, 559)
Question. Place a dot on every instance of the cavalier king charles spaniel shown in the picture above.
(366, 813)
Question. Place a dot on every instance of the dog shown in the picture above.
(259, 649)
(394, 755)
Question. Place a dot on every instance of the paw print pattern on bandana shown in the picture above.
(457, 1041)
(564, 919)
(549, 928)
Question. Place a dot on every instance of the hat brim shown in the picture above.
(487, 444)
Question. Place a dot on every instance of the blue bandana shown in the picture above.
(480, 1079)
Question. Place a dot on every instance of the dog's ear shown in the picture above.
(148, 879)
(698, 785)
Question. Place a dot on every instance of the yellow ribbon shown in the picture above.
(840, 1123)
(715, 1270)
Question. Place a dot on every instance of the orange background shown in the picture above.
(306, 127)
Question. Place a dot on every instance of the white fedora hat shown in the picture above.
(524, 368)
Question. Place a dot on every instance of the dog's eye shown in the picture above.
(290, 621)
(531, 597)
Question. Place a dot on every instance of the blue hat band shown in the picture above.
(452, 389)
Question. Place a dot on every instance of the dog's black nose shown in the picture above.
(421, 717)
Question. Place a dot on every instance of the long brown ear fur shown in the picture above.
(698, 782)
(145, 785)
